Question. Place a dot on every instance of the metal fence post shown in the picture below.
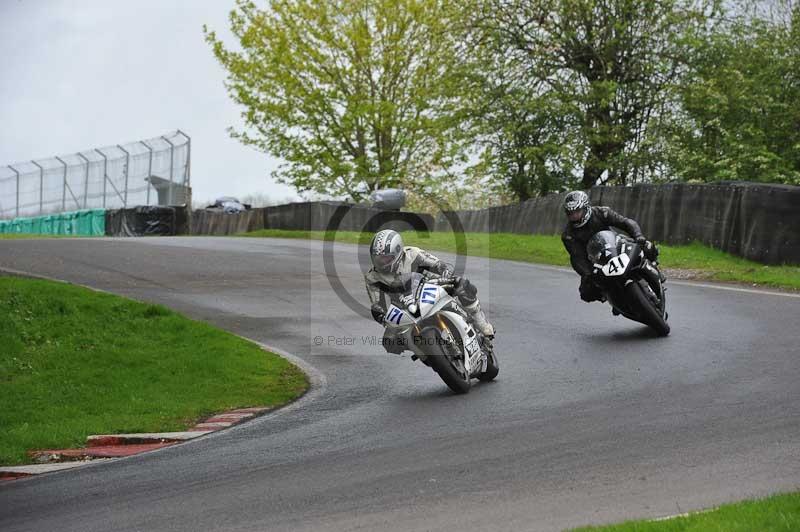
(105, 174)
(16, 172)
(127, 171)
(85, 181)
(64, 186)
(149, 169)
(187, 180)
(67, 188)
(41, 185)
(171, 199)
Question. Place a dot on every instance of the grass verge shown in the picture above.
(75, 362)
(703, 261)
(778, 513)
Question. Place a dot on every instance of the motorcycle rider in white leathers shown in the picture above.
(391, 259)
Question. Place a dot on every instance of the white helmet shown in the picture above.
(386, 250)
(577, 207)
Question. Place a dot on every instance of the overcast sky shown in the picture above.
(79, 74)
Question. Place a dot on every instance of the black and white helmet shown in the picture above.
(386, 250)
(577, 207)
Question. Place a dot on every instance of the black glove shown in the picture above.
(378, 312)
(650, 249)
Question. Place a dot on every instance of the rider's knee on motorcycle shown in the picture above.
(467, 294)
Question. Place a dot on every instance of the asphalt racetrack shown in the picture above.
(592, 419)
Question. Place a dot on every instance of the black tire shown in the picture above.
(492, 369)
(650, 315)
(441, 364)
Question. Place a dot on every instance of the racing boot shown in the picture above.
(487, 344)
(479, 320)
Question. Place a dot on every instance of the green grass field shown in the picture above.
(75, 362)
(706, 262)
(780, 513)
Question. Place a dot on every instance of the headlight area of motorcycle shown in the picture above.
(596, 250)
(599, 255)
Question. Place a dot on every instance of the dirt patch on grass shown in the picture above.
(685, 274)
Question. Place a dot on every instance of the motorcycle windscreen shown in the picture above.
(602, 247)
(428, 297)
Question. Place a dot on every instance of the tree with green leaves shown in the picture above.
(601, 70)
(740, 102)
(354, 95)
(522, 131)
(525, 144)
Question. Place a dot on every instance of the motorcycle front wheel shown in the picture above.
(650, 315)
(435, 349)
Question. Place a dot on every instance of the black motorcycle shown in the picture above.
(630, 281)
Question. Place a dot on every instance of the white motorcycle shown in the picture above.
(428, 321)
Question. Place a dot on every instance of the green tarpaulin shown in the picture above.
(90, 222)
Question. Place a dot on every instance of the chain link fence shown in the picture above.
(155, 171)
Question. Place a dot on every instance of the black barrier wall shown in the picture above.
(147, 221)
(757, 221)
(205, 222)
(753, 220)
(539, 215)
(310, 216)
(322, 216)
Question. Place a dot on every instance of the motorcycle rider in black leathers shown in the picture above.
(583, 222)
(391, 259)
